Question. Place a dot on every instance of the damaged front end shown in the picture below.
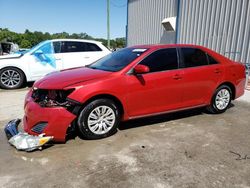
(24, 141)
(55, 98)
(49, 116)
(50, 111)
(52, 98)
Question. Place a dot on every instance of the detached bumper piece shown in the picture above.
(24, 141)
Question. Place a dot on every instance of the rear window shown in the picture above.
(69, 46)
(211, 60)
(72, 46)
(193, 57)
(92, 47)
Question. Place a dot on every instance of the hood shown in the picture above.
(59, 80)
(11, 56)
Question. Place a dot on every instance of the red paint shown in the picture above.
(140, 95)
(56, 127)
(140, 69)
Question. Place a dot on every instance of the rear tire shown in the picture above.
(98, 119)
(11, 78)
(220, 100)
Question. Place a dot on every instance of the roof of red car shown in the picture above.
(158, 46)
(165, 45)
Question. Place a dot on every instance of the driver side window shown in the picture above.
(161, 60)
(45, 55)
(46, 48)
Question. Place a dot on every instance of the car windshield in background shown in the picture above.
(36, 46)
(118, 60)
(22, 51)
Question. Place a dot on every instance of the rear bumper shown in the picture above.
(240, 88)
(55, 120)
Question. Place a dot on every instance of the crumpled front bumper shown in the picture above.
(11, 129)
(51, 121)
(41, 125)
(24, 141)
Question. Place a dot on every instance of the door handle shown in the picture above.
(217, 71)
(177, 77)
(58, 59)
(86, 57)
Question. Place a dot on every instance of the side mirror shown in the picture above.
(140, 69)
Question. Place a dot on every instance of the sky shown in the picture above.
(72, 16)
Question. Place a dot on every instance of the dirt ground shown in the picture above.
(186, 149)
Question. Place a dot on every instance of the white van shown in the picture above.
(46, 57)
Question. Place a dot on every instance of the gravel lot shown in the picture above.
(185, 149)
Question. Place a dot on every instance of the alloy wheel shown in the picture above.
(10, 78)
(101, 119)
(222, 99)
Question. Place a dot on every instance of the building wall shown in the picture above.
(222, 25)
(144, 21)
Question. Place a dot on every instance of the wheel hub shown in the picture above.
(222, 99)
(101, 119)
(10, 78)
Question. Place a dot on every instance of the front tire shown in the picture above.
(220, 100)
(98, 119)
(11, 78)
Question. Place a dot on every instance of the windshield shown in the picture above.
(117, 60)
(32, 49)
(39, 44)
(22, 51)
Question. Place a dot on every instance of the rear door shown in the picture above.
(160, 89)
(201, 76)
(77, 54)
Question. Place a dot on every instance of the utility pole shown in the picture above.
(108, 24)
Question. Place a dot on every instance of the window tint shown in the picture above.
(193, 57)
(57, 47)
(165, 59)
(92, 47)
(71, 46)
(211, 60)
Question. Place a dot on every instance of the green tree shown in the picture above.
(25, 44)
(29, 39)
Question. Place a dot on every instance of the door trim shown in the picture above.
(166, 112)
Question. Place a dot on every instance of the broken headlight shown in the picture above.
(52, 98)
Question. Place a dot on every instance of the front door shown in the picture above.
(43, 61)
(160, 89)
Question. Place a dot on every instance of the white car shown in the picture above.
(46, 57)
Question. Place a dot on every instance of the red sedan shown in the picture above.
(131, 83)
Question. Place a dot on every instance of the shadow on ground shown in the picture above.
(150, 121)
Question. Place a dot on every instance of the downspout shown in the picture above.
(177, 35)
(108, 23)
(127, 26)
